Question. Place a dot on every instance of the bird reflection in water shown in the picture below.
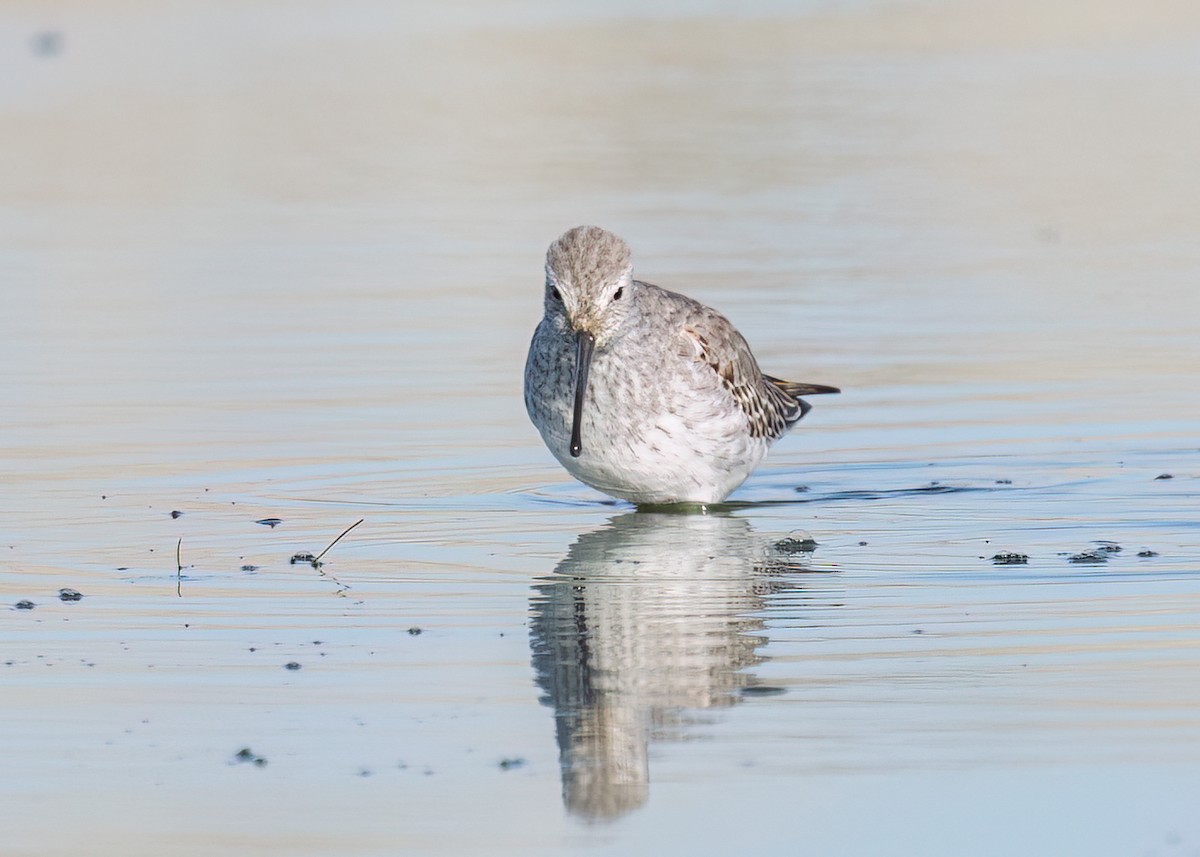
(651, 616)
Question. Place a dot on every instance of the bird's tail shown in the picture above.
(796, 389)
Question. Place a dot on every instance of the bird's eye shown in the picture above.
(617, 294)
(556, 295)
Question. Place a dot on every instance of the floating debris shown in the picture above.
(25, 604)
(270, 522)
(69, 594)
(246, 755)
(291, 665)
(249, 568)
(303, 557)
(1004, 482)
(801, 489)
(338, 539)
(1010, 558)
(797, 542)
(1092, 557)
(1109, 547)
(415, 631)
(511, 764)
(763, 690)
(1147, 554)
(1164, 476)
(175, 513)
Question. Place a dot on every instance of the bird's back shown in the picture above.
(771, 405)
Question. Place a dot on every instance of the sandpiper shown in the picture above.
(643, 393)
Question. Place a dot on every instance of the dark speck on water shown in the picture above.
(1092, 557)
(48, 43)
(302, 557)
(291, 665)
(25, 605)
(270, 522)
(175, 513)
(796, 544)
(249, 568)
(1164, 476)
(247, 755)
(414, 631)
(1109, 547)
(1147, 553)
(510, 764)
(69, 594)
(1010, 558)
(763, 690)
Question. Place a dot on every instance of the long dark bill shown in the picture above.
(584, 343)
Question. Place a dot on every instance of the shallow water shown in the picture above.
(266, 262)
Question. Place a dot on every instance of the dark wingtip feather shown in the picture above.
(795, 389)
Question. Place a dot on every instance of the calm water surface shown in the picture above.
(264, 261)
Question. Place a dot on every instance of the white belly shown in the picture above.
(653, 437)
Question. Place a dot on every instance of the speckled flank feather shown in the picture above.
(674, 408)
(767, 406)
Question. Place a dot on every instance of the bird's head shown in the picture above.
(589, 277)
(589, 280)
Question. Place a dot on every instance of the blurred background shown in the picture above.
(221, 203)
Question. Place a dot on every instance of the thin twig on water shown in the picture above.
(179, 567)
(338, 539)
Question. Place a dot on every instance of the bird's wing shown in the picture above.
(767, 403)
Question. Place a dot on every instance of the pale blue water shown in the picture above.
(266, 261)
